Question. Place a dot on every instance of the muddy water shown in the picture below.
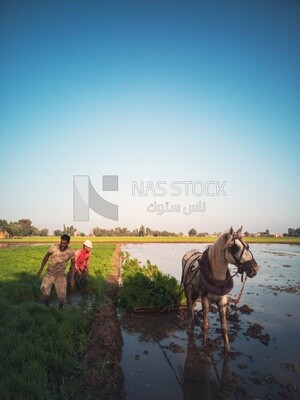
(160, 361)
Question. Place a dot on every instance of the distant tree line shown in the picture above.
(193, 232)
(142, 231)
(70, 230)
(23, 227)
(292, 232)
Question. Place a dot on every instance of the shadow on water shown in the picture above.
(161, 361)
(197, 378)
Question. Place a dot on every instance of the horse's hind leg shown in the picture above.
(222, 306)
(205, 324)
(190, 318)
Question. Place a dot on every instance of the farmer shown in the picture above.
(58, 256)
(82, 265)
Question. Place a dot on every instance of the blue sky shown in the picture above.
(151, 91)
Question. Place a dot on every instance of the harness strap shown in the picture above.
(219, 288)
(191, 266)
(207, 283)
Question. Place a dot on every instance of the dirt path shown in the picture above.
(104, 378)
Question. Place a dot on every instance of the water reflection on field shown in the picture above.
(160, 361)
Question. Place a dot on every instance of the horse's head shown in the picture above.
(237, 252)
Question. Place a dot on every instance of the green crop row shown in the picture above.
(42, 348)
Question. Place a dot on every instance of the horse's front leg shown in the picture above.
(205, 325)
(222, 306)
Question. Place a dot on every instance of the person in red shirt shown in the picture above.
(82, 265)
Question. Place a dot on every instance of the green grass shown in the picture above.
(42, 348)
(149, 239)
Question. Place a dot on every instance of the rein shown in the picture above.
(240, 294)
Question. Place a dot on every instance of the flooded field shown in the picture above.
(161, 361)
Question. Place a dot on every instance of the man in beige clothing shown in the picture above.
(58, 256)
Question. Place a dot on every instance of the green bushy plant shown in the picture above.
(147, 286)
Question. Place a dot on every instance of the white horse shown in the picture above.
(207, 275)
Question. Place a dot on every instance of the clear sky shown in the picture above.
(205, 92)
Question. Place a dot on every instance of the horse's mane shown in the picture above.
(216, 257)
(219, 244)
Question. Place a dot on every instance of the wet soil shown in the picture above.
(103, 378)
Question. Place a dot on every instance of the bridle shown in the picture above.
(250, 266)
